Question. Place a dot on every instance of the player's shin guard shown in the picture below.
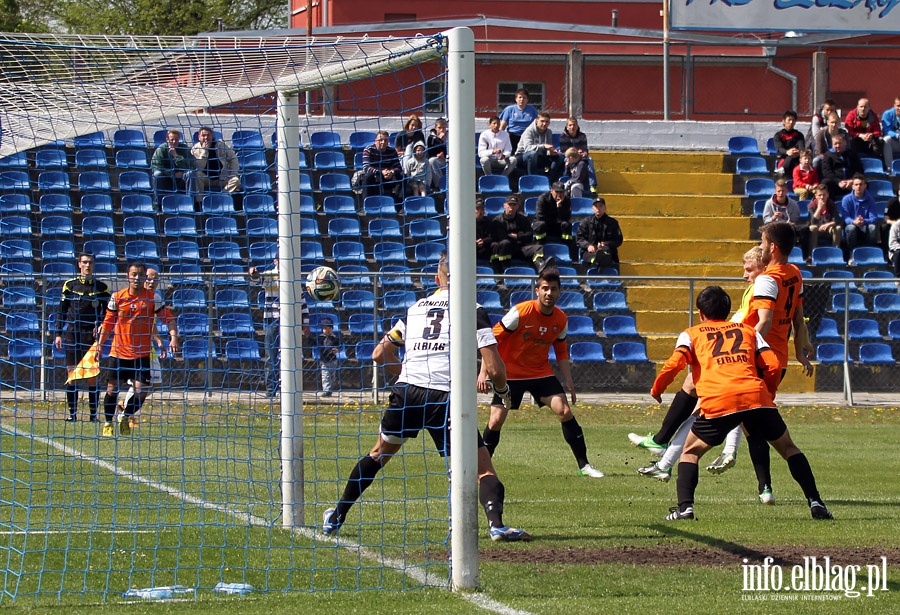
(681, 408)
(759, 455)
(360, 478)
(575, 437)
(491, 439)
(109, 407)
(72, 399)
(491, 493)
(688, 476)
(803, 474)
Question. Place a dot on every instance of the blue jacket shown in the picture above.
(851, 207)
(889, 123)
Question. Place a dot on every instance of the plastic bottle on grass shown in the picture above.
(167, 592)
(233, 589)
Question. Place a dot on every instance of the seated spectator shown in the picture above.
(484, 242)
(536, 153)
(436, 151)
(861, 215)
(216, 165)
(599, 238)
(573, 137)
(789, 142)
(818, 119)
(516, 118)
(805, 176)
(553, 218)
(838, 168)
(864, 128)
(577, 170)
(782, 208)
(382, 173)
(513, 239)
(171, 163)
(495, 149)
(411, 134)
(891, 215)
(825, 218)
(894, 248)
(417, 172)
(823, 141)
(890, 130)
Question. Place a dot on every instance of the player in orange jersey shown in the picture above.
(724, 358)
(524, 337)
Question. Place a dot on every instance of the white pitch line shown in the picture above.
(45, 532)
(477, 599)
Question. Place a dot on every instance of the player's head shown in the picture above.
(713, 303)
(85, 264)
(442, 275)
(548, 289)
(152, 280)
(754, 263)
(137, 272)
(777, 241)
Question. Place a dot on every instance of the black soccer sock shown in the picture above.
(109, 406)
(688, 477)
(575, 437)
(491, 439)
(134, 404)
(803, 474)
(360, 478)
(93, 401)
(72, 399)
(491, 493)
(680, 409)
(762, 465)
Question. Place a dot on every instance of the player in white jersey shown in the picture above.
(420, 400)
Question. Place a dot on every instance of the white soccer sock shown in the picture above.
(673, 453)
(733, 441)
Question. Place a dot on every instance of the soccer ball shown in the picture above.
(323, 284)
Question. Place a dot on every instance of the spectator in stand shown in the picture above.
(890, 130)
(891, 215)
(417, 172)
(838, 168)
(382, 173)
(573, 137)
(405, 140)
(484, 242)
(516, 118)
(599, 238)
(894, 248)
(171, 164)
(536, 152)
(817, 122)
(824, 136)
(789, 142)
(865, 130)
(216, 165)
(553, 218)
(861, 216)
(824, 217)
(436, 150)
(782, 208)
(805, 176)
(579, 175)
(495, 149)
(329, 343)
(513, 239)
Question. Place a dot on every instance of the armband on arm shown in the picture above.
(503, 394)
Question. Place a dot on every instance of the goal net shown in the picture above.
(185, 497)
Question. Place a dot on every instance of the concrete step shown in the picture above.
(675, 297)
(722, 269)
(664, 183)
(717, 206)
(697, 229)
(672, 255)
(655, 162)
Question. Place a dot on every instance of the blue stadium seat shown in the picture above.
(485, 277)
(827, 256)
(192, 324)
(58, 250)
(894, 330)
(159, 137)
(17, 272)
(740, 145)
(22, 323)
(54, 181)
(398, 300)
(242, 349)
(94, 181)
(534, 184)
(187, 299)
(855, 303)
(752, 165)
(262, 253)
(863, 329)
(325, 140)
(55, 204)
(570, 301)
(489, 299)
(26, 351)
(57, 226)
(260, 205)
(362, 139)
(14, 181)
(344, 227)
(348, 252)
(620, 326)
(419, 206)
(518, 282)
(881, 189)
(15, 227)
(629, 352)
(529, 208)
(335, 182)
(183, 251)
(363, 351)
(195, 349)
(50, 159)
(223, 252)
(129, 138)
(586, 352)
(385, 228)
(177, 204)
(263, 228)
(102, 249)
(868, 256)
(354, 275)
(879, 280)
(329, 160)
(311, 251)
(94, 140)
(830, 352)
(609, 301)
(493, 205)
(57, 273)
(19, 160)
(15, 204)
(759, 207)
(519, 296)
(232, 300)
(872, 166)
(236, 324)
(309, 227)
(582, 206)
(828, 331)
(316, 319)
(305, 184)
(379, 205)
(840, 274)
(876, 353)
(132, 159)
(137, 204)
(218, 204)
(141, 250)
(104, 269)
(427, 229)
(221, 226)
(770, 147)
(494, 184)
(364, 323)
(759, 187)
(390, 252)
(601, 279)
(252, 160)
(580, 325)
(185, 274)
(339, 205)
(257, 181)
(180, 226)
(139, 226)
(358, 300)
(97, 203)
(19, 298)
(429, 252)
(247, 140)
(358, 160)
(134, 181)
(396, 276)
(558, 251)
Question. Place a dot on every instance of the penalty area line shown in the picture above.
(476, 599)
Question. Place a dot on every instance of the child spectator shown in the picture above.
(577, 170)
(329, 343)
(805, 176)
(417, 171)
(789, 142)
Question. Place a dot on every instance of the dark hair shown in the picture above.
(81, 255)
(522, 91)
(779, 233)
(549, 275)
(860, 176)
(544, 115)
(789, 113)
(211, 132)
(493, 119)
(714, 303)
(138, 265)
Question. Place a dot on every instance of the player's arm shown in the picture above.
(165, 315)
(61, 315)
(108, 324)
(765, 291)
(561, 349)
(802, 348)
(672, 367)
(386, 352)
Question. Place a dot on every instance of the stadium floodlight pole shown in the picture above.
(463, 400)
(290, 290)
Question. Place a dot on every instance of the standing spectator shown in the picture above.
(382, 173)
(417, 171)
(436, 151)
(495, 149)
(824, 217)
(890, 129)
(805, 176)
(839, 167)
(329, 343)
(484, 242)
(579, 176)
(216, 165)
(516, 118)
(818, 119)
(536, 152)
(861, 216)
(267, 278)
(81, 310)
(553, 218)
(864, 128)
(172, 163)
(513, 238)
(789, 142)
(599, 238)
(411, 134)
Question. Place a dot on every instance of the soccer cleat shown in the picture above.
(71, 418)
(328, 526)
(591, 471)
(654, 471)
(109, 430)
(818, 510)
(722, 463)
(509, 534)
(125, 426)
(647, 443)
(675, 514)
(767, 497)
